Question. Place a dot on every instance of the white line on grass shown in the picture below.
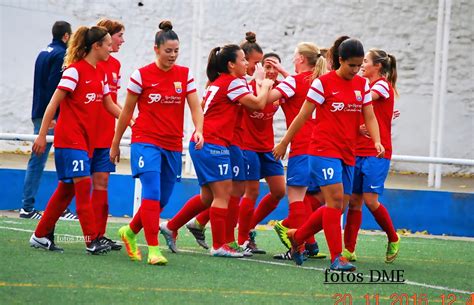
(276, 264)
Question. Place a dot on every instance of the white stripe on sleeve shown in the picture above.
(287, 87)
(135, 83)
(381, 87)
(191, 86)
(367, 95)
(237, 88)
(69, 79)
(316, 92)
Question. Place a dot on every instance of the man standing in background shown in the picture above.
(48, 71)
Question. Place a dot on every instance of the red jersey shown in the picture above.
(238, 138)
(106, 123)
(383, 109)
(87, 87)
(294, 89)
(258, 124)
(339, 104)
(222, 108)
(161, 99)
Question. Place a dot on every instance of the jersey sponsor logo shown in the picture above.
(154, 98)
(178, 87)
(338, 106)
(90, 97)
(358, 95)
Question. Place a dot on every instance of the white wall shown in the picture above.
(403, 27)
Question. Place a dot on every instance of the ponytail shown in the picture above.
(333, 53)
(392, 73)
(218, 60)
(313, 56)
(388, 66)
(82, 41)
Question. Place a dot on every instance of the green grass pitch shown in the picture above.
(431, 267)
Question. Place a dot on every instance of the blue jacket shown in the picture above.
(48, 72)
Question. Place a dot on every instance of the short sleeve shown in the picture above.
(316, 92)
(287, 87)
(135, 83)
(237, 89)
(69, 79)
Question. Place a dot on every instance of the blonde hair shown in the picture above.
(313, 55)
(81, 42)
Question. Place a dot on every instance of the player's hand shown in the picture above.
(114, 154)
(52, 124)
(277, 65)
(198, 139)
(39, 146)
(363, 131)
(380, 150)
(267, 83)
(279, 151)
(259, 73)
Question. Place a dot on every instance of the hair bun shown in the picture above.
(165, 25)
(251, 37)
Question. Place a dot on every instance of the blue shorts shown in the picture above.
(211, 162)
(327, 171)
(71, 163)
(262, 164)
(100, 162)
(370, 174)
(238, 163)
(297, 173)
(151, 158)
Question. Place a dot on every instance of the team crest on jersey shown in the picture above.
(177, 87)
(358, 95)
(114, 77)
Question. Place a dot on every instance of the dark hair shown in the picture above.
(218, 60)
(113, 26)
(250, 44)
(388, 64)
(271, 54)
(82, 41)
(351, 48)
(332, 54)
(60, 28)
(166, 33)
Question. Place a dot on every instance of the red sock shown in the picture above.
(232, 218)
(285, 222)
(332, 230)
(218, 223)
(150, 215)
(313, 202)
(245, 217)
(297, 214)
(101, 210)
(385, 222)
(190, 209)
(56, 205)
(308, 212)
(84, 209)
(354, 219)
(265, 207)
(203, 217)
(136, 223)
(311, 226)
